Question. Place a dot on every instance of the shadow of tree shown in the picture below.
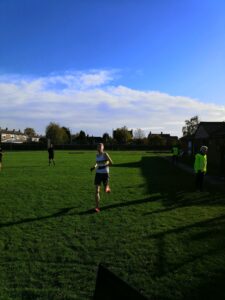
(61, 212)
(176, 187)
(122, 204)
(65, 211)
(136, 164)
(177, 191)
(210, 234)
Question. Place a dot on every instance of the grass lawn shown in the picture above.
(153, 231)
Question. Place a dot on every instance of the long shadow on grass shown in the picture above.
(201, 243)
(206, 255)
(66, 210)
(136, 164)
(121, 204)
(60, 213)
(176, 187)
(177, 190)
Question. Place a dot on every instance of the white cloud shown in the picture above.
(87, 101)
(96, 79)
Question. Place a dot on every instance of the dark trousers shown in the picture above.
(199, 180)
(175, 159)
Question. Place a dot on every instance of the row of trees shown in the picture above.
(122, 135)
(62, 135)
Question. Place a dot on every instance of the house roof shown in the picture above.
(164, 135)
(6, 131)
(213, 128)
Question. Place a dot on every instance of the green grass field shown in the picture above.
(154, 231)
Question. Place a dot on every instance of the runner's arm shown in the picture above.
(93, 168)
(109, 159)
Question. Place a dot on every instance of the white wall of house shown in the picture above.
(9, 137)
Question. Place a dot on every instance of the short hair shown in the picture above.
(204, 148)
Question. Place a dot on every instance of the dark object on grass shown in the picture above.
(110, 287)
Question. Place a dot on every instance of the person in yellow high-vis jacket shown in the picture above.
(175, 154)
(200, 167)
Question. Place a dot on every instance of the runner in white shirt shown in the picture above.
(103, 161)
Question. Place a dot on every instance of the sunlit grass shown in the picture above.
(154, 231)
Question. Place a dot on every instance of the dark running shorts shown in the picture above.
(101, 178)
(51, 157)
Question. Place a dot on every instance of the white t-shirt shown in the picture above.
(101, 160)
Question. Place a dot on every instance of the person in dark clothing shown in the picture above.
(51, 155)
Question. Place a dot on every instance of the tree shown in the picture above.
(139, 134)
(56, 134)
(68, 134)
(190, 126)
(75, 137)
(122, 135)
(106, 138)
(30, 132)
(82, 137)
(43, 140)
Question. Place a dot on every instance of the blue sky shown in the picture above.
(97, 64)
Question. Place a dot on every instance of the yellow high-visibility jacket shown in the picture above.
(200, 163)
(175, 151)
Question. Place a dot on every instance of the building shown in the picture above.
(34, 139)
(168, 139)
(212, 134)
(12, 136)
